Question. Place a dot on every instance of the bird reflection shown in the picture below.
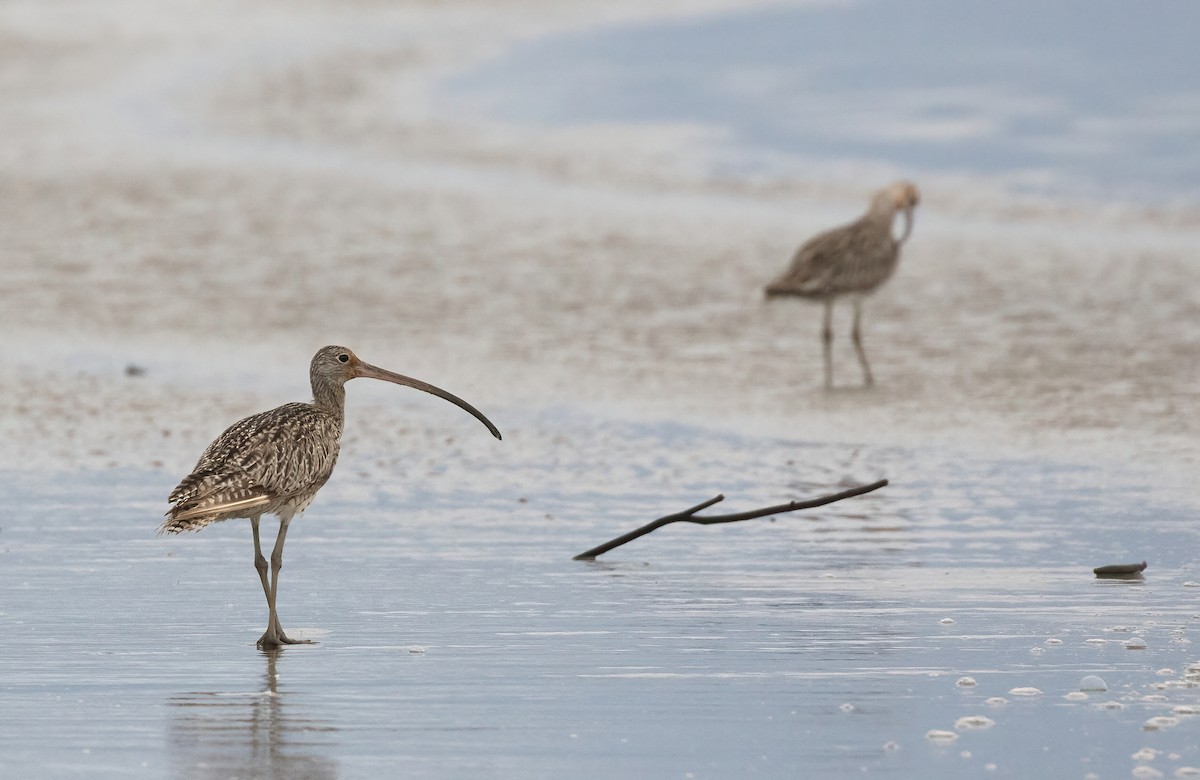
(248, 734)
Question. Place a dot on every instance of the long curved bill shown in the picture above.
(908, 224)
(368, 371)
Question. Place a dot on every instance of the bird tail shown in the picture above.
(193, 517)
(178, 522)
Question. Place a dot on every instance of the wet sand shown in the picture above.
(209, 202)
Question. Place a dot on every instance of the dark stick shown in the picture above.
(688, 516)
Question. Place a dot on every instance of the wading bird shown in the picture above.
(852, 260)
(275, 462)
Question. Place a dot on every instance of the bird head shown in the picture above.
(901, 196)
(338, 365)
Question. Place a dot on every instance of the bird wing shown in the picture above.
(814, 264)
(258, 460)
(852, 258)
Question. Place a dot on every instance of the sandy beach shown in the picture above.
(212, 202)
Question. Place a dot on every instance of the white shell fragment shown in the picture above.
(1160, 722)
(974, 722)
(1029, 691)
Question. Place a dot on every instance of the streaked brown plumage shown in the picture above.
(852, 260)
(275, 462)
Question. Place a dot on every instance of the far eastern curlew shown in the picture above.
(852, 260)
(275, 462)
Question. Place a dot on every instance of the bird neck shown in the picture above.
(329, 396)
(882, 210)
(882, 216)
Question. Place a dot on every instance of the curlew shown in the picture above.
(852, 260)
(276, 461)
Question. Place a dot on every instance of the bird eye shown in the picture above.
(343, 358)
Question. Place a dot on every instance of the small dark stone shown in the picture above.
(1120, 570)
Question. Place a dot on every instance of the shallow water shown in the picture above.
(456, 636)
(1085, 97)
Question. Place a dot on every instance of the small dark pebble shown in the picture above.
(132, 370)
(1120, 570)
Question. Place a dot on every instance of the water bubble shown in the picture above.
(1165, 672)
(1076, 696)
(1154, 697)
(974, 722)
(1135, 643)
(1186, 709)
(996, 701)
(1144, 772)
(1109, 705)
(1096, 641)
(1028, 691)
(1191, 584)
(890, 746)
(937, 735)
(1053, 641)
(947, 621)
(1160, 722)
(1092, 683)
(1119, 629)
(847, 707)
(1036, 650)
(1187, 771)
(415, 649)
(965, 754)
(965, 682)
(1145, 754)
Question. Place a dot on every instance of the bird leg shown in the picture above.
(260, 562)
(274, 636)
(856, 335)
(827, 342)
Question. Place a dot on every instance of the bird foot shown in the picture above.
(271, 640)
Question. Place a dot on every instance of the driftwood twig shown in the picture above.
(689, 516)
